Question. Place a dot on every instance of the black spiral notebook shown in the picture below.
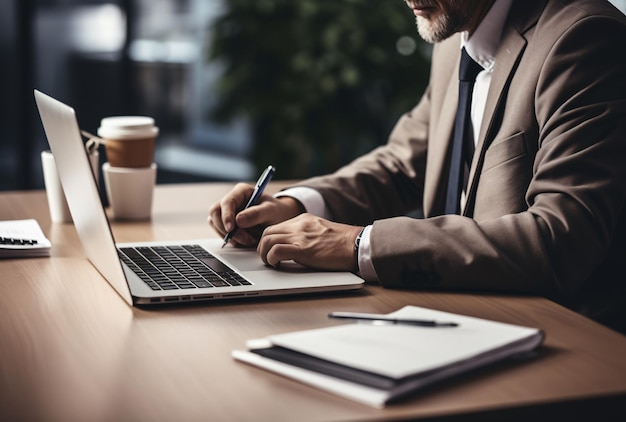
(22, 239)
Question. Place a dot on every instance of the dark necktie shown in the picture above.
(463, 141)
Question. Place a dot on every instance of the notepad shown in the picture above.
(375, 364)
(22, 239)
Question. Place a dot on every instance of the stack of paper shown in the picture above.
(22, 239)
(376, 363)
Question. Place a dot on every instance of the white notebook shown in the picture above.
(375, 364)
(22, 239)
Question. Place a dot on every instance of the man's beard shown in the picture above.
(442, 27)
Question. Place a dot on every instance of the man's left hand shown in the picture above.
(310, 241)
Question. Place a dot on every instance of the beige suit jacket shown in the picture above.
(545, 211)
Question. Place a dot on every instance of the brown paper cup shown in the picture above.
(132, 153)
(129, 140)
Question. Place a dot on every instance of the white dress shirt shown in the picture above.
(481, 47)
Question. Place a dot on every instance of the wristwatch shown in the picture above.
(357, 242)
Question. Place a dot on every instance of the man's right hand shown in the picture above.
(224, 214)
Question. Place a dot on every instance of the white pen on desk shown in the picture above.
(390, 320)
(260, 186)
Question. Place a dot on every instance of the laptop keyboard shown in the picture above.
(179, 267)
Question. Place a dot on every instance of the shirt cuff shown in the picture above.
(312, 201)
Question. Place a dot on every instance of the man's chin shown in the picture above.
(429, 32)
(424, 30)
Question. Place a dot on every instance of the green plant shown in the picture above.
(321, 81)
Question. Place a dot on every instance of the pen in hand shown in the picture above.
(377, 318)
(260, 186)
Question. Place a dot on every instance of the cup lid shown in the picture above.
(127, 127)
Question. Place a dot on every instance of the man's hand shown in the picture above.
(223, 215)
(310, 241)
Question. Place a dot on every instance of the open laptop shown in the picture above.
(161, 272)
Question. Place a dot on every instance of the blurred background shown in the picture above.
(306, 85)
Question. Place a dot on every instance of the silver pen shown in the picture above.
(390, 320)
(260, 186)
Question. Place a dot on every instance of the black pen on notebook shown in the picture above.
(390, 320)
(260, 186)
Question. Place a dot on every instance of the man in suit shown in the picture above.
(542, 209)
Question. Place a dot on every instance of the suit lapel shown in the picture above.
(510, 51)
(522, 16)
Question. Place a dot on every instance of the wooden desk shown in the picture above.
(72, 350)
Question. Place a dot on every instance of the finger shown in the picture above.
(215, 219)
(271, 237)
(219, 230)
(259, 215)
(282, 252)
(232, 202)
(228, 208)
(264, 244)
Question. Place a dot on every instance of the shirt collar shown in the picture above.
(484, 42)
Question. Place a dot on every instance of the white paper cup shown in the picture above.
(59, 211)
(130, 190)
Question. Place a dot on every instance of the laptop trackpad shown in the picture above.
(245, 261)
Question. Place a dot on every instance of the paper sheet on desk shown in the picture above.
(414, 356)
